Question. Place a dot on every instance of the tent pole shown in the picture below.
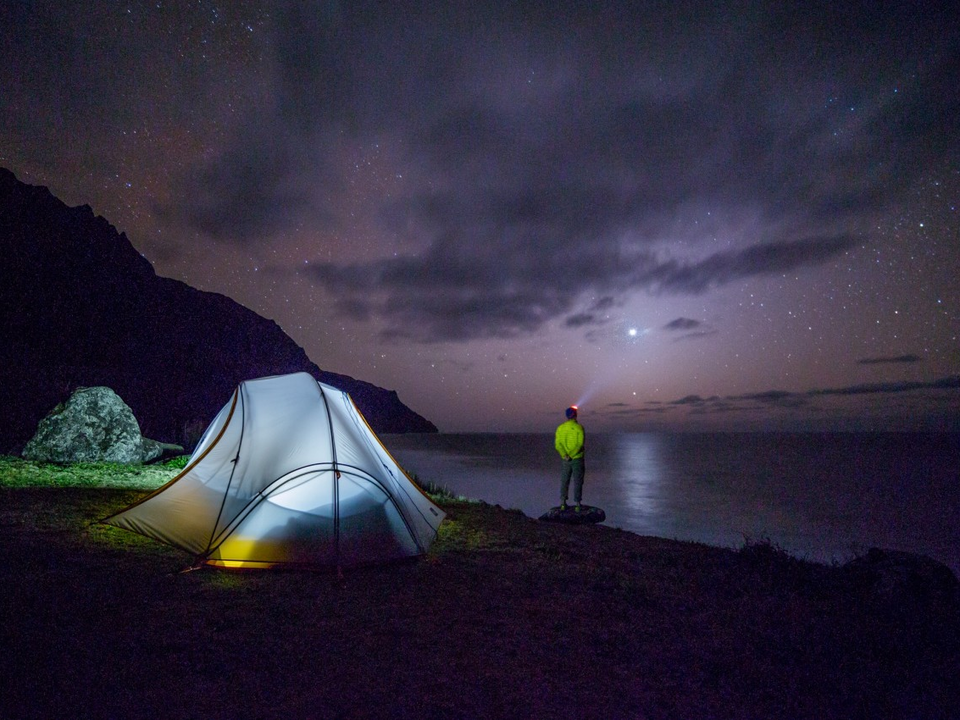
(234, 462)
(336, 481)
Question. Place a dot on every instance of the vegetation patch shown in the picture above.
(16, 472)
(506, 616)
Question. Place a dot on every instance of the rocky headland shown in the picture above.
(80, 307)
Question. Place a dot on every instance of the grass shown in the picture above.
(437, 492)
(506, 616)
(15, 472)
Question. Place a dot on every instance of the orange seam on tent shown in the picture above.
(389, 454)
(189, 467)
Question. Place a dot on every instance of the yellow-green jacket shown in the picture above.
(569, 439)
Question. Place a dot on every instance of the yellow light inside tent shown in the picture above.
(241, 550)
(235, 564)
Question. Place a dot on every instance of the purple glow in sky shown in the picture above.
(682, 215)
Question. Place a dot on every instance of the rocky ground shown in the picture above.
(506, 617)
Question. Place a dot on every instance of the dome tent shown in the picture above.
(288, 474)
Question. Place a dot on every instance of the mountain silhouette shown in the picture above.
(79, 306)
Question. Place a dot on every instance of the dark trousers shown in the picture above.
(572, 470)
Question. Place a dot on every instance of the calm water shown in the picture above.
(821, 496)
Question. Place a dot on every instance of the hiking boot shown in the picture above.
(563, 506)
(577, 508)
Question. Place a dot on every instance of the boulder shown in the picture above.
(155, 450)
(588, 515)
(94, 425)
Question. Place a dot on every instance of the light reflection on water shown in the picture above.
(825, 497)
(633, 484)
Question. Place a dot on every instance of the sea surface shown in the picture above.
(823, 497)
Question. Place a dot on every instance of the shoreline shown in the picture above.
(825, 498)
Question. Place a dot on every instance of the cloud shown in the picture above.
(595, 315)
(626, 413)
(777, 398)
(260, 181)
(890, 360)
(686, 325)
(682, 323)
(689, 400)
(563, 160)
(923, 404)
(801, 410)
(947, 383)
(580, 319)
(458, 290)
(723, 268)
(246, 194)
(784, 398)
(717, 407)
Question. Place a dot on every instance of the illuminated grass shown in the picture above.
(18, 473)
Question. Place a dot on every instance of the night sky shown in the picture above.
(680, 215)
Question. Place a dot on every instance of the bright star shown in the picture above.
(632, 332)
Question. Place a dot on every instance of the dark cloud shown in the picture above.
(802, 406)
(245, 195)
(595, 315)
(784, 398)
(722, 268)
(580, 319)
(777, 398)
(689, 400)
(604, 303)
(947, 383)
(624, 413)
(682, 323)
(896, 360)
(552, 124)
(458, 289)
(262, 180)
(717, 408)
(926, 409)
(552, 159)
(686, 325)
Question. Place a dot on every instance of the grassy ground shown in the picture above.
(17, 473)
(505, 617)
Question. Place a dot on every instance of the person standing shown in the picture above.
(569, 443)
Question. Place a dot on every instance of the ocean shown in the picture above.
(824, 497)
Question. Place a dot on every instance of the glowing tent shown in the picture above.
(288, 474)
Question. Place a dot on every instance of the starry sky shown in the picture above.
(680, 215)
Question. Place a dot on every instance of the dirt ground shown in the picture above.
(506, 617)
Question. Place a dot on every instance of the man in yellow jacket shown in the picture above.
(569, 443)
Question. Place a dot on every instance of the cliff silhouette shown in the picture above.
(79, 306)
